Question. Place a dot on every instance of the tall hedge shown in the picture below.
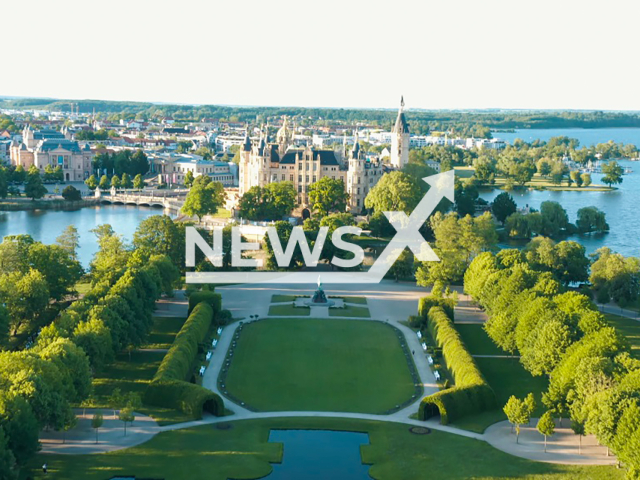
(170, 388)
(208, 296)
(472, 394)
(427, 303)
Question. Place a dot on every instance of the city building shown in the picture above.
(400, 140)
(51, 147)
(262, 163)
(172, 167)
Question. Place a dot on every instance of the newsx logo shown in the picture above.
(408, 235)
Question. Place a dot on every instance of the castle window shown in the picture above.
(283, 177)
(299, 188)
(299, 166)
(314, 179)
(358, 190)
(299, 178)
(306, 178)
(291, 178)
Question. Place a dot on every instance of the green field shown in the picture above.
(288, 310)
(350, 311)
(164, 332)
(358, 300)
(319, 364)
(244, 452)
(477, 341)
(282, 298)
(629, 328)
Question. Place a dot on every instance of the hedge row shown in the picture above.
(472, 394)
(170, 388)
(427, 303)
(208, 296)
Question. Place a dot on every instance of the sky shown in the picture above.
(449, 54)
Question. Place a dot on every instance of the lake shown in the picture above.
(46, 225)
(319, 455)
(586, 136)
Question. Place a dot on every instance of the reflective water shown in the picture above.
(47, 225)
(319, 455)
(587, 136)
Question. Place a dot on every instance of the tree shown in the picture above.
(188, 179)
(115, 182)
(91, 182)
(554, 219)
(20, 426)
(160, 235)
(396, 191)
(4, 186)
(530, 403)
(60, 270)
(69, 241)
(328, 195)
(25, 295)
(503, 206)
(517, 412)
(138, 182)
(586, 179)
(94, 338)
(612, 173)
(7, 460)
(546, 426)
(578, 428)
(126, 415)
(96, 422)
(19, 174)
(71, 194)
(116, 400)
(204, 198)
(126, 181)
(272, 202)
(104, 183)
(4, 325)
(34, 188)
(576, 177)
(591, 219)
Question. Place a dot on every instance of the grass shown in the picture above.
(288, 310)
(245, 452)
(358, 300)
(164, 332)
(319, 364)
(222, 213)
(629, 328)
(282, 298)
(350, 311)
(477, 341)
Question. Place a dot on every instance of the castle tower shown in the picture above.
(400, 139)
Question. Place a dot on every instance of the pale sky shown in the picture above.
(560, 54)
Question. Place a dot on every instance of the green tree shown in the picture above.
(517, 413)
(188, 179)
(503, 206)
(4, 325)
(34, 188)
(591, 219)
(395, 191)
(71, 194)
(204, 198)
(546, 426)
(104, 183)
(4, 186)
(554, 219)
(60, 270)
(138, 182)
(612, 173)
(328, 195)
(69, 241)
(126, 181)
(115, 182)
(576, 177)
(7, 460)
(586, 179)
(126, 416)
(160, 235)
(91, 182)
(578, 428)
(272, 202)
(25, 296)
(96, 422)
(19, 175)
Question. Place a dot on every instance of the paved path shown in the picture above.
(622, 312)
(387, 301)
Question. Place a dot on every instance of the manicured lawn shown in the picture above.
(282, 298)
(629, 328)
(507, 377)
(288, 310)
(244, 452)
(319, 364)
(358, 300)
(349, 311)
(477, 341)
(164, 332)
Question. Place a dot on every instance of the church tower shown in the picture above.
(400, 139)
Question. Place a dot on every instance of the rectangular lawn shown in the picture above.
(319, 364)
(349, 311)
(477, 340)
(630, 330)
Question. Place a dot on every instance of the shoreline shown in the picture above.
(49, 204)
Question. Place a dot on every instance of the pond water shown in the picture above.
(320, 455)
(46, 225)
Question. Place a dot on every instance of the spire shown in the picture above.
(401, 102)
(402, 126)
(247, 142)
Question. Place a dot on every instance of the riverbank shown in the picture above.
(26, 204)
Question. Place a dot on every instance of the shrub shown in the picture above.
(427, 303)
(71, 193)
(184, 396)
(208, 296)
(471, 394)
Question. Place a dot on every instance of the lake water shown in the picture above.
(586, 136)
(320, 455)
(46, 225)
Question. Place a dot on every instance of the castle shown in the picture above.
(264, 162)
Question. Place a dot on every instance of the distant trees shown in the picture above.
(34, 187)
(188, 179)
(104, 183)
(204, 198)
(328, 196)
(272, 202)
(71, 193)
(91, 182)
(125, 161)
(125, 181)
(395, 191)
(612, 173)
(503, 206)
(615, 277)
(138, 182)
(591, 219)
(586, 179)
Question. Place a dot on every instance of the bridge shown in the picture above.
(169, 200)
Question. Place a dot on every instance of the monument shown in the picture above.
(319, 298)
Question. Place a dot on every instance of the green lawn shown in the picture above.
(477, 341)
(288, 310)
(282, 298)
(164, 332)
(349, 311)
(243, 452)
(629, 328)
(507, 377)
(358, 300)
(319, 364)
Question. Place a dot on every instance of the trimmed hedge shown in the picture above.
(472, 394)
(169, 387)
(427, 303)
(208, 296)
